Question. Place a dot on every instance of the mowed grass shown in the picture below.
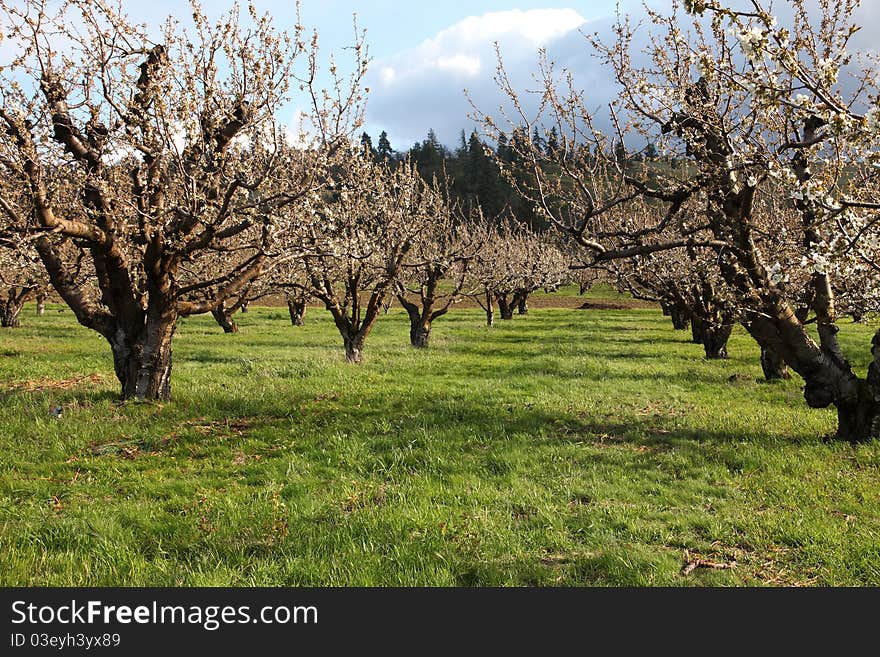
(566, 447)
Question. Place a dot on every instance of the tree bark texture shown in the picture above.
(354, 348)
(713, 334)
(506, 306)
(680, 317)
(421, 318)
(142, 359)
(522, 303)
(774, 367)
(224, 318)
(296, 307)
(12, 303)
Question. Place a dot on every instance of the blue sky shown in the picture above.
(425, 54)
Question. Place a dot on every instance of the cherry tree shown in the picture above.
(513, 262)
(750, 107)
(171, 151)
(22, 279)
(355, 239)
(441, 254)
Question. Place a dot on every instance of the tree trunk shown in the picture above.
(522, 303)
(143, 361)
(296, 306)
(10, 311)
(696, 330)
(506, 307)
(224, 319)
(244, 307)
(41, 304)
(11, 305)
(419, 321)
(354, 348)
(714, 338)
(680, 317)
(420, 334)
(774, 367)
(859, 420)
(490, 309)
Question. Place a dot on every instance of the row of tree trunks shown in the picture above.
(771, 320)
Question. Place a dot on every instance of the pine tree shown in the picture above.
(519, 144)
(552, 141)
(502, 149)
(367, 144)
(384, 150)
(538, 141)
(429, 156)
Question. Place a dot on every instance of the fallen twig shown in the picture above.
(692, 564)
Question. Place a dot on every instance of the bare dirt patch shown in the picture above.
(47, 383)
(622, 304)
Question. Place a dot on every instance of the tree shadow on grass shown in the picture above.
(458, 417)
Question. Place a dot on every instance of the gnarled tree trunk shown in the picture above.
(419, 322)
(774, 367)
(420, 334)
(11, 305)
(296, 307)
(142, 358)
(713, 335)
(9, 314)
(505, 306)
(354, 347)
(522, 302)
(715, 338)
(224, 318)
(679, 315)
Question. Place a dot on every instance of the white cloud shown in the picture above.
(463, 64)
(535, 25)
(423, 87)
(465, 49)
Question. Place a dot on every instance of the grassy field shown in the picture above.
(567, 447)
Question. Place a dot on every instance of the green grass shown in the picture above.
(563, 448)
